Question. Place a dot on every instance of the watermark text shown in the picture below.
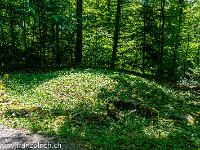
(31, 145)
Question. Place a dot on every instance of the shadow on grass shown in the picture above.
(29, 78)
(133, 135)
(143, 92)
(136, 133)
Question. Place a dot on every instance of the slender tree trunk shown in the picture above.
(12, 33)
(24, 34)
(198, 56)
(33, 39)
(177, 42)
(58, 55)
(188, 44)
(78, 52)
(53, 36)
(12, 48)
(40, 46)
(162, 40)
(53, 49)
(44, 41)
(2, 47)
(116, 33)
(144, 47)
(109, 19)
(96, 42)
(40, 35)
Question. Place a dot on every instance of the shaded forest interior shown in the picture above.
(159, 37)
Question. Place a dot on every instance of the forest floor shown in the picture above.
(18, 139)
(68, 106)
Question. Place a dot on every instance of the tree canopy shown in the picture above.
(159, 37)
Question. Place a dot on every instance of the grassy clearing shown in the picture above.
(72, 104)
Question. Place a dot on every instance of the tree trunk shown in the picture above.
(78, 53)
(144, 47)
(58, 55)
(40, 46)
(177, 42)
(24, 34)
(40, 36)
(109, 19)
(198, 56)
(116, 33)
(52, 36)
(12, 47)
(44, 41)
(184, 65)
(12, 33)
(2, 48)
(160, 68)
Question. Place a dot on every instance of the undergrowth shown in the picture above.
(72, 104)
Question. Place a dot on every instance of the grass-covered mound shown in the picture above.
(72, 104)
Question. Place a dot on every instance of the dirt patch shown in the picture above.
(14, 139)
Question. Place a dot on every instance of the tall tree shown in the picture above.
(116, 33)
(177, 43)
(24, 33)
(78, 52)
(109, 19)
(186, 53)
(162, 40)
(144, 41)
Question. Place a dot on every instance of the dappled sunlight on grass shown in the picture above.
(72, 103)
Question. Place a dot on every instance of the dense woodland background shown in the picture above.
(63, 61)
(157, 37)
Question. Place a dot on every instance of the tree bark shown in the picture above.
(184, 66)
(44, 41)
(177, 42)
(116, 34)
(40, 36)
(58, 55)
(2, 48)
(78, 52)
(162, 39)
(24, 34)
(144, 48)
(109, 19)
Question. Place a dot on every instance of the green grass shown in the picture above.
(71, 103)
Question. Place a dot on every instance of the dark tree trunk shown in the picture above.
(40, 36)
(78, 53)
(188, 44)
(12, 33)
(2, 48)
(12, 47)
(144, 47)
(160, 64)
(116, 33)
(198, 58)
(44, 41)
(177, 42)
(24, 34)
(53, 37)
(58, 55)
(40, 46)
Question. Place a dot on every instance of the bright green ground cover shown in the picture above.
(46, 102)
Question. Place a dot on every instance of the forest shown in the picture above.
(159, 37)
(95, 71)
